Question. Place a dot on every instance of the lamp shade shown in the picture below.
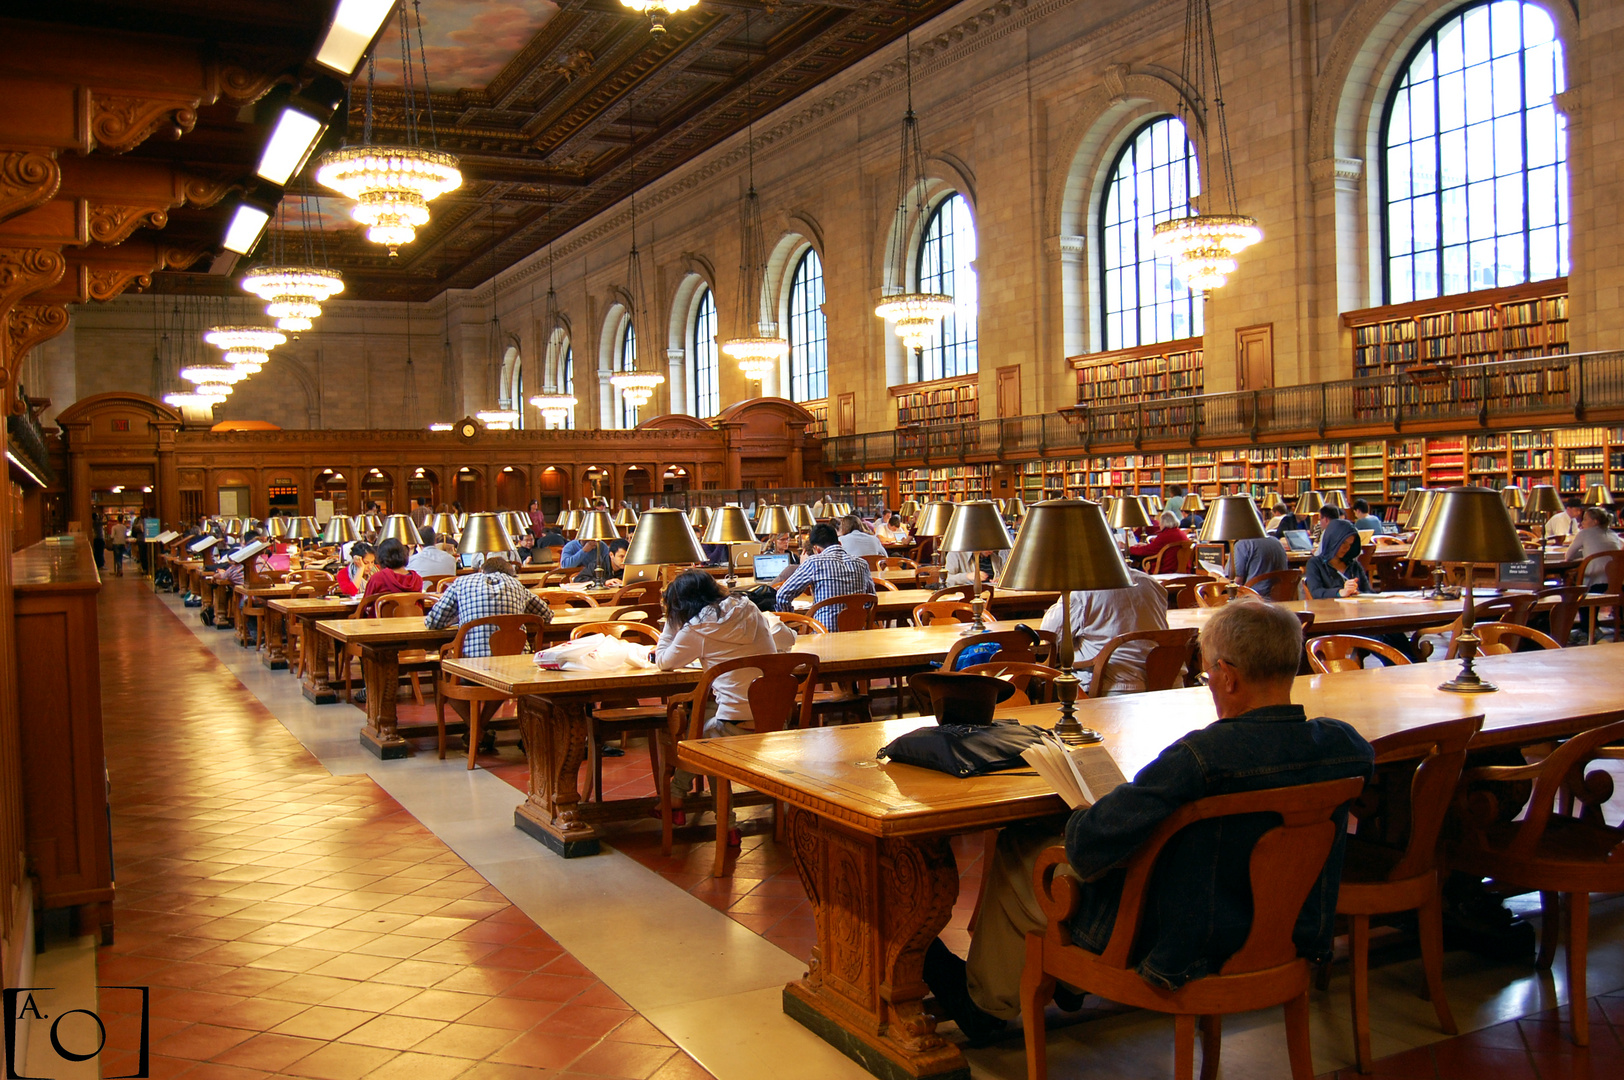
(730, 525)
(663, 537)
(572, 521)
(1543, 501)
(369, 523)
(1147, 503)
(304, 528)
(908, 510)
(934, 518)
(626, 518)
(598, 525)
(400, 527)
(1423, 506)
(1514, 497)
(1467, 525)
(1155, 502)
(774, 519)
(444, 525)
(1193, 503)
(484, 534)
(1127, 512)
(1336, 497)
(1272, 501)
(699, 517)
(1232, 517)
(1309, 502)
(1015, 508)
(976, 526)
(1598, 495)
(517, 524)
(339, 530)
(277, 528)
(1065, 545)
(800, 516)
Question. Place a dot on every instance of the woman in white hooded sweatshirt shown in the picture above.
(705, 624)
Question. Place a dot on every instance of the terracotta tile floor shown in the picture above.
(294, 923)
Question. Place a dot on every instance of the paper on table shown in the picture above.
(1082, 775)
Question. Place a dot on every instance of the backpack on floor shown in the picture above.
(207, 615)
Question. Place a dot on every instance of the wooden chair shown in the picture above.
(1181, 589)
(834, 699)
(413, 662)
(648, 614)
(1560, 616)
(1031, 682)
(294, 630)
(894, 562)
(1511, 609)
(1383, 880)
(1277, 584)
(881, 585)
(1285, 863)
(780, 694)
(640, 593)
(1014, 646)
(873, 561)
(474, 703)
(935, 611)
(1346, 652)
(1551, 849)
(1173, 559)
(962, 592)
(558, 577)
(619, 718)
(1613, 563)
(564, 599)
(1501, 637)
(849, 611)
(1165, 667)
(803, 625)
(438, 583)
(309, 577)
(1211, 594)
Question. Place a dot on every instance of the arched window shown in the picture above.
(516, 388)
(1475, 157)
(1151, 181)
(628, 353)
(808, 331)
(566, 378)
(947, 258)
(704, 368)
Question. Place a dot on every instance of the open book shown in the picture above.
(1082, 775)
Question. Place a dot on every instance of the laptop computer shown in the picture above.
(648, 572)
(768, 567)
(1298, 540)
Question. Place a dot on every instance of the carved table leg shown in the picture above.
(316, 646)
(380, 665)
(555, 745)
(877, 901)
(275, 656)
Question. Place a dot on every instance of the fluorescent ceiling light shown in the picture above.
(355, 24)
(17, 461)
(291, 142)
(247, 224)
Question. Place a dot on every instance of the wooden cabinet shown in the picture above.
(64, 764)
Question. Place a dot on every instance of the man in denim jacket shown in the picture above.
(1200, 909)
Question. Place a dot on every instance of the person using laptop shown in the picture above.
(1364, 520)
(1334, 570)
(1253, 558)
(831, 570)
(431, 560)
(1565, 526)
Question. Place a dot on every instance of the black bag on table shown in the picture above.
(964, 749)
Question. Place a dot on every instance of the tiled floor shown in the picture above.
(293, 922)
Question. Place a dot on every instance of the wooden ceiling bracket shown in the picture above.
(28, 177)
(121, 122)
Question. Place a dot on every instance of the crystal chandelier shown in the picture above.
(916, 316)
(659, 10)
(193, 400)
(245, 347)
(635, 386)
(393, 185)
(556, 406)
(294, 293)
(498, 419)
(761, 355)
(1202, 247)
(212, 373)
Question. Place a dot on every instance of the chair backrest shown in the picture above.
(1442, 750)
(1211, 594)
(1341, 652)
(1013, 646)
(849, 611)
(1499, 637)
(1174, 559)
(1612, 562)
(935, 611)
(881, 585)
(560, 599)
(1565, 611)
(1506, 609)
(650, 614)
(1170, 654)
(640, 592)
(873, 561)
(402, 604)
(309, 577)
(438, 583)
(1561, 772)
(300, 592)
(1031, 681)
(803, 625)
(894, 562)
(623, 631)
(1285, 863)
(510, 634)
(559, 577)
(962, 592)
(781, 692)
(1277, 584)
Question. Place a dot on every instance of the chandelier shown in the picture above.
(498, 419)
(245, 347)
(213, 373)
(556, 406)
(915, 316)
(761, 355)
(659, 10)
(294, 293)
(393, 185)
(635, 386)
(1203, 247)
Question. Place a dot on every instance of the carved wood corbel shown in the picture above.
(121, 122)
(28, 177)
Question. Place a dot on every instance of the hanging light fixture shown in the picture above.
(294, 293)
(556, 404)
(659, 10)
(193, 400)
(213, 373)
(498, 419)
(501, 418)
(245, 347)
(1203, 246)
(635, 386)
(393, 185)
(916, 316)
(761, 355)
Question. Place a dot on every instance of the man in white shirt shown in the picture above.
(1565, 526)
(859, 541)
(430, 561)
(1098, 615)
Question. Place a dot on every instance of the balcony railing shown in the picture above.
(1436, 398)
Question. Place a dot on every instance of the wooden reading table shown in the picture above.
(872, 840)
(313, 648)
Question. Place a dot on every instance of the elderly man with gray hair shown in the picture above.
(1200, 911)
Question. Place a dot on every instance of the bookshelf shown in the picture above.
(957, 483)
(819, 427)
(943, 401)
(1147, 373)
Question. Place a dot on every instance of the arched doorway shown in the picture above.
(512, 488)
(331, 487)
(468, 489)
(636, 482)
(553, 490)
(424, 489)
(378, 487)
(676, 478)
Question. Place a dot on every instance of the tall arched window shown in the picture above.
(564, 372)
(628, 352)
(1151, 181)
(808, 331)
(516, 388)
(704, 367)
(947, 258)
(1475, 157)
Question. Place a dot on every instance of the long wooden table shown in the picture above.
(872, 839)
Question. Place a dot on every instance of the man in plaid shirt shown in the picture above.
(829, 571)
(491, 590)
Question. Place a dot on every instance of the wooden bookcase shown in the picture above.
(942, 401)
(819, 427)
(1143, 374)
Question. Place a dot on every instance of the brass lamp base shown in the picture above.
(1468, 681)
(978, 622)
(1070, 731)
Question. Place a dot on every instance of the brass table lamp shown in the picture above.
(626, 518)
(1543, 504)
(976, 526)
(444, 525)
(277, 528)
(800, 516)
(908, 510)
(1515, 499)
(598, 525)
(484, 534)
(339, 530)
(1065, 545)
(1272, 502)
(572, 522)
(730, 526)
(517, 524)
(664, 538)
(1015, 508)
(303, 528)
(772, 520)
(1336, 497)
(1231, 518)
(1193, 503)
(932, 522)
(400, 527)
(1467, 525)
(1128, 512)
(699, 517)
(1309, 503)
(1598, 495)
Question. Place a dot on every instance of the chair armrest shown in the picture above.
(1502, 772)
(1057, 893)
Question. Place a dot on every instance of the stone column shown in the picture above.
(1340, 267)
